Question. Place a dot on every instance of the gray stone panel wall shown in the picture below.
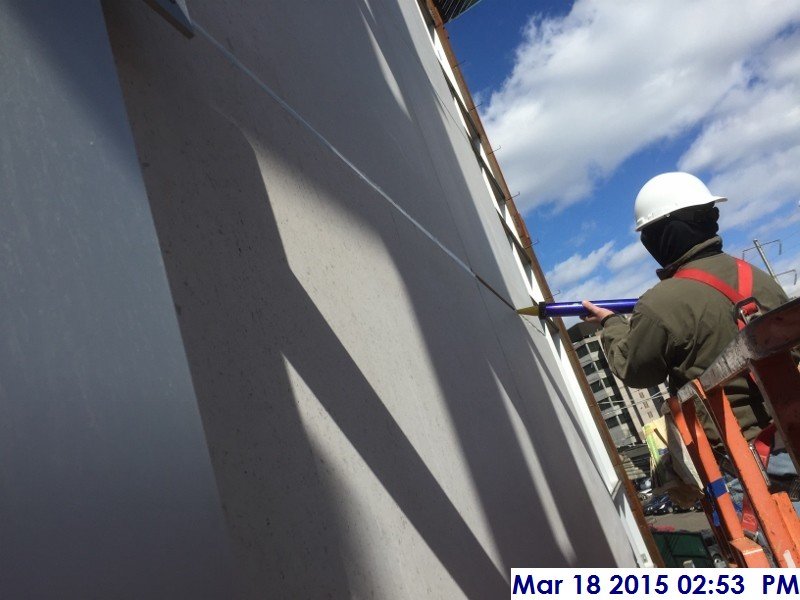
(378, 422)
(106, 486)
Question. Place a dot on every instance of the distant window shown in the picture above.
(589, 369)
(582, 351)
(594, 346)
(597, 386)
(653, 390)
(625, 417)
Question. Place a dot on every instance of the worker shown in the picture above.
(684, 322)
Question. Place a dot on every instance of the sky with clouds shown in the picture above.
(588, 100)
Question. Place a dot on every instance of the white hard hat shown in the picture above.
(668, 192)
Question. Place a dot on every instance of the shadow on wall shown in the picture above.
(511, 499)
(285, 317)
(242, 310)
(245, 302)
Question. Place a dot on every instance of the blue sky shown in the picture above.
(589, 99)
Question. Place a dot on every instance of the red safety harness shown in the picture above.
(745, 308)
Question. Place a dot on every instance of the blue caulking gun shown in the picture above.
(576, 309)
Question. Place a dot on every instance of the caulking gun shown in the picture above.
(576, 309)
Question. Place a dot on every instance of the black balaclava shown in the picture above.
(670, 238)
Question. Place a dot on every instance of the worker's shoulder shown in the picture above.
(667, 293)
(677, 295)
(726, 267)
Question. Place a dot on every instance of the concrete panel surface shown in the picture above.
(106, 487)
(380, 425)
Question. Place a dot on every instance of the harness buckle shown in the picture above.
(748, 309)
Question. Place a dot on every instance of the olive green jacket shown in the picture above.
(680, 326)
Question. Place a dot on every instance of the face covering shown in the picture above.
(670, 238)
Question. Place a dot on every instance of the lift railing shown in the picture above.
(764, 348)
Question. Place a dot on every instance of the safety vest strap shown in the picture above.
(744, 291)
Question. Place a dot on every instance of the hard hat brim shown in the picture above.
(713, 200)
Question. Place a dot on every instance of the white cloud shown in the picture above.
(577, 266)
(593, 88)
(763, 119)
(586, 228)
(788, 262)
(751, 141)
(605, 274)
(631, 254)
(590, 89)
(780, 222)
(758, 188)
(628, 284)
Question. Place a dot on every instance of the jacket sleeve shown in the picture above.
(638, 350)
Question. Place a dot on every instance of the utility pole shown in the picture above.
(759, 247)
(760, 250)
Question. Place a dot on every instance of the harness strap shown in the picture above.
(763, 443)
(744, 291)
(744, 273)
(709, 279)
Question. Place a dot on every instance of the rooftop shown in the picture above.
(581, 331)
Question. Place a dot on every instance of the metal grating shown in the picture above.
(450, 9)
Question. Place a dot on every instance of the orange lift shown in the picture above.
(764, 349)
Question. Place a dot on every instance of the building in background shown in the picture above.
(625, 409)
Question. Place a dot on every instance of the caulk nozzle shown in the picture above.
(531, 310)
